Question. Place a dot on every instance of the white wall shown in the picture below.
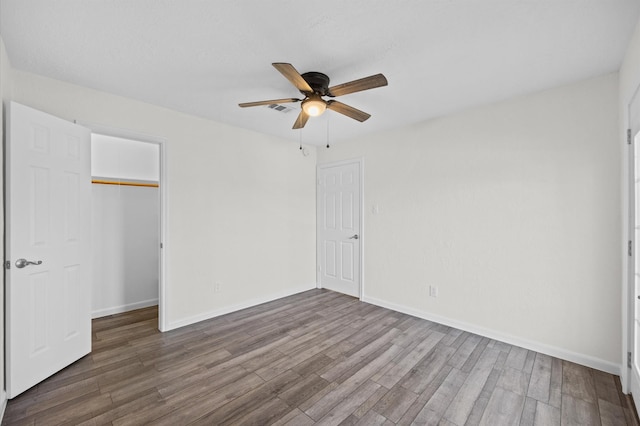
(5, 96)
(241, 205)
(629, 82)
(116, 157)
(512, 210)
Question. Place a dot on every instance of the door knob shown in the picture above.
(21, 263)
(354, 237)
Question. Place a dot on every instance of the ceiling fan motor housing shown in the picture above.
(318, 81)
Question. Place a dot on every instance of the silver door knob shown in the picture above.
(354, 237)
(21, 263)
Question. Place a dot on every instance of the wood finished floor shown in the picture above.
(315, 358)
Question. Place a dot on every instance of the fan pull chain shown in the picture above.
(300, 134)
(327, 131)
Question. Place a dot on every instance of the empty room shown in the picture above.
(341, 212)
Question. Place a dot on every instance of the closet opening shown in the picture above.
(126, 224)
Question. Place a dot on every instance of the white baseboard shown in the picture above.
(243, 305)
(561, 353)
(123, 308)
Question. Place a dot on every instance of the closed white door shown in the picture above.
(338, 225)
(48, 195)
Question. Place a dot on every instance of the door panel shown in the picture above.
(338, 221)
(634, 263)
(48, 190)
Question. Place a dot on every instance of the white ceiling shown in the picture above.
(204, 57)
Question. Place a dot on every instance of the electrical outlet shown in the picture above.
(216, 287)
(433, 291)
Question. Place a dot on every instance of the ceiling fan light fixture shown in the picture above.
(314, 106)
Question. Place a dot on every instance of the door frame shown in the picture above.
(162, 232)
(361, 233)
(628, 235)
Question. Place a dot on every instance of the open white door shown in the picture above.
(338, 227)
(48, 207)
(633, 361)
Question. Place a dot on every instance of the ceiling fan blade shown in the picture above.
(293, 76)
(347, 110)
(301, 120)
(271, 102)
(366, 83)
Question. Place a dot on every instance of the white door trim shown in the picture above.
(361, 232)
(162, 145)
(628, 267)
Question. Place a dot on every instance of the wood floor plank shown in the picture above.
(464, 351)
(349, 404)
(529, 412)
(480, 405)
(475, 355)
(540, 383)
(316, 357)
(611, 414)
(547, 415)
(434, 410)
(606, 387)
(313, 364)
(454, 338)
(577, 381)
(555, 388)
(203, 383)
(383, 341)
(74, 411)
(304, 389)
(463, 402)
(420, 377)
(517, 358)
(234, 410)
(417, 331)
(577, 412)
(528, 362)
(187, 410)
(294, 417)
(47, 400)
(318, 396)
(403, 366)
(426, 395)
(395, 403)
(373, 419)
(504, 408)
(114, 411)
(516, 381)
(366, 406)
(324, 405)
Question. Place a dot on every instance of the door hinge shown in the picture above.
(628, 359)
(630, 248)
(628, 136)
(7, 264)
(161, 246)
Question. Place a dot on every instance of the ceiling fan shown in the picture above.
(314, 85)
